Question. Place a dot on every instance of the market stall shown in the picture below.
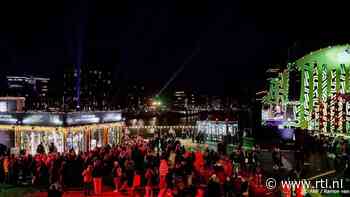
(80, 131)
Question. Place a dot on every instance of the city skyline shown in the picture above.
(237, 42)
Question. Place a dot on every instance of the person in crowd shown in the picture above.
(228, 187)
(130, 173)
(171, 159)
(200, 192)
(259, 172)
(214, 186)
(40, 149)
(6, 166)
(163, 172)
(136, 185)
(87, 174)
(276, 158)
(297, 171)
(2, 173)
(299, 156)
(344, 152)
(55, 190)
(52, 148)
(13, 170)
(43, 175)
(149, 175)
(117, 173)
(245, 188)
(97, 174)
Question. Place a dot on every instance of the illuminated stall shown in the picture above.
(97, 134)
(79, 131)
(216, 130)
(30, 138)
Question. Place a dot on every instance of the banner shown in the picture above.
(324, 98)
(315, 99)
(333, 99)
(307, 116)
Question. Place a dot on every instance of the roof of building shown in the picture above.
(332, 56)
(11, 98)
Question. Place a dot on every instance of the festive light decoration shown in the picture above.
(163, 127)
(315, 98)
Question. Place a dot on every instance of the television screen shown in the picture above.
(272, 112)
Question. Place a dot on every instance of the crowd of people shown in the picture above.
(158, 166)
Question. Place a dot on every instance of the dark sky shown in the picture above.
(147, 41)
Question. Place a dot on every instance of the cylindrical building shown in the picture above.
(311, 93)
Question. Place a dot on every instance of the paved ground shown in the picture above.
(13, 191)
(18, 193)
(314, 165)
(77, 194)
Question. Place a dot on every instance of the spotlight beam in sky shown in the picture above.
(180, 69)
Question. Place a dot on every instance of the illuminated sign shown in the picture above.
(92, 118)
(43, 119)
(3, 106)
(75, 119)
(111, 117)
(60, 119)
(8, 119)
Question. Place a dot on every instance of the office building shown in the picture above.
(34, 89)
(96, 89)
(180, 100)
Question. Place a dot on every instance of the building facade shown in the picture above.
(96, 88)
(135, 97)
(184, 100)
(217, 130)
(34, 89)
(12, 104)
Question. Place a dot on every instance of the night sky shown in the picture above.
(147, 41)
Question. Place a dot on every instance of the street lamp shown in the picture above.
(156, 103)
